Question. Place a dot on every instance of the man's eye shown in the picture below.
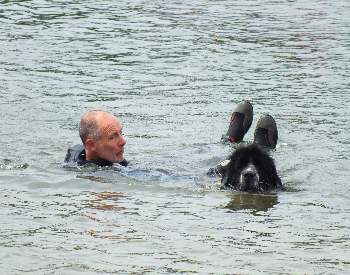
(113, 136)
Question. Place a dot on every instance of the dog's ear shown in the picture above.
(271, 175)
(225, 180)
(227, 174)
(279, 182)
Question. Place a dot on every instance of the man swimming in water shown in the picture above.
(102, 138)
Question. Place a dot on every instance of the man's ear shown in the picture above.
(90, 145)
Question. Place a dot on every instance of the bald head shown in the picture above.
(102, 136)
(91, 123)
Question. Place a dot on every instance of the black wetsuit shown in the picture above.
(76, 154)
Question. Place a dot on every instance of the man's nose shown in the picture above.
(122, 141)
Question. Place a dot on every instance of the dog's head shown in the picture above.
(251, 169)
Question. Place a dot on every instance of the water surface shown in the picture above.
(172, 71)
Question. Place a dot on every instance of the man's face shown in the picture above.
(110, 145)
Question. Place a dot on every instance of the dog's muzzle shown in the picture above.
(249, 178)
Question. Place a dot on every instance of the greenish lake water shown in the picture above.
(172, 71)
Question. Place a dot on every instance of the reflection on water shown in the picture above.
(104, 201)
(254, 202)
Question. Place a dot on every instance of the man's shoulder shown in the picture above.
(75, 154)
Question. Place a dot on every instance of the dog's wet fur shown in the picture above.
(251, 169)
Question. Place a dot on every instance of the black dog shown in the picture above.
(250, 169)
